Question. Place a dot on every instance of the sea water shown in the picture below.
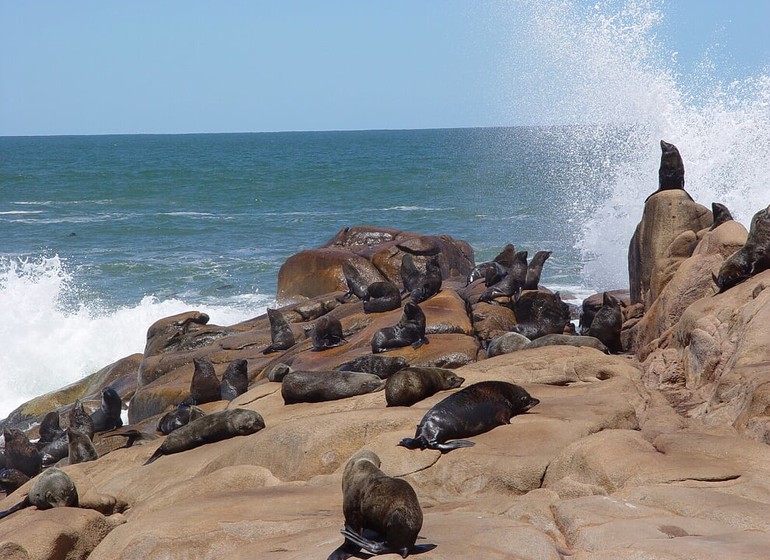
(100, 236)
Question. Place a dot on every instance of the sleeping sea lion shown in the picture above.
(321, 386)
(413, 384)
(52, 488)
(471, 411)
(381, 297)
(182, 415)
(327, 333)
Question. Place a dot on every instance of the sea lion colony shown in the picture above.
(477, 408)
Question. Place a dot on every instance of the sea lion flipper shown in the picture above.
(158, 453)
(412, 443)
(448, 446)
(375, 547)
(21, 505)
(420, 548)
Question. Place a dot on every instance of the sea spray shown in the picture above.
(55, 336)
(602, 66)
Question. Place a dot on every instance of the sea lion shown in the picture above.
(671, 170)
(539, 313)
(491, 271)
(52, 488)
(507, 256)
(107, 416)
(49, 429)
(182, 415)
(327, 333)
(752, 258)
(280, 332)
(507, 343)
(81, 449)
(235, 380)
(204, 386)
(382, 513)
(355, 281)
(470, 411)
(278, 372)
(410, 330)
(721, 214)
(134, 436)
(535, 269)
(20, 453)
(213, 427)
(11, 480)
(569, 340)
(58, 449)
(607, 324)
(321, 386)
(80, 420)
(381, 297)
(381, 366)
(413, 384)
(510, 286)
(429, 283)
(410, 274)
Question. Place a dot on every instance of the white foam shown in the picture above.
(48, 343)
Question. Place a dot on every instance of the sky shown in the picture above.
(100, 67)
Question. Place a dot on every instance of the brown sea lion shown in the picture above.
(281, 334)
(20, 453)
(80, 449)
(381, 297)
(413, 384)
(49, 429)
(410, 330)
(213, 427)
(382, 513)
(721, 214)
(204, 386)
(107, 416)
(327, 333)
(381, 366)
(535, 270)
(321, 386)
(473, 410)
(11, 480)
(52, 488)
(235, 380)
(752, 258)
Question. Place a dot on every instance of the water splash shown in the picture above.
(55, 336)
(603, 67)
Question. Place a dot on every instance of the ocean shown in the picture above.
(100, 236)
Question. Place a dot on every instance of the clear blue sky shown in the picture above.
(94, 67)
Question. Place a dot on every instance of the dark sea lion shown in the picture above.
(429, 283)
(327, 333)
(321, 386)
(20, 453)
(182, 415)
(752, 258)
(413, 384)
(204, 386)
(607, 324)
(410, 330)
(11, 480)
(278, 372)
(507, 256)
(535, 269)
(507, 343)
(491, 271)
(382, 513)
(471, 411)
(213, 427)
(569, 340)
(410, 274)
(510, 286)
(235, 380)
(50, 429)
(55, 451)
(107, 416)
(721, 215)
(381, 366)
(280, 332)
(540, 313)
(134, 436)
(52, 488)
(80, 420)
(381, 297)
(81, 449)
(354, 280)
(671, 170)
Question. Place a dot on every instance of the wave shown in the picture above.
(53, 336)
(414, 209)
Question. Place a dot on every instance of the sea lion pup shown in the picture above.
(413, 384)
(535, 269)
(107, 416)
(235, 380)
(52, 488)
(11, 480)
(327, 333)
(204, 386)
(182, 415)
(381, 366)
(20, 453)
(752, 258)
(470, 411)
(381, 297)
(216, 426)
(134, 436)
(382, 513)
(607, 324)
(410, 274)
(280, 332)
(721, 215)
(429, 283)
(321, 386)
(671, 170)
(510, 286)
(81, 449)
(50, 429)
(354, 280)
(410, 330)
